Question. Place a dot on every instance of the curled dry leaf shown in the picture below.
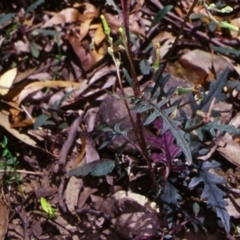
(4, 122)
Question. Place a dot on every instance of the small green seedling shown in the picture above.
(9, 163)
(47, 208)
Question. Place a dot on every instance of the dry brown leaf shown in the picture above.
(3, 219)
(72, 191)
(4, 122)
(84, 195)
(235, 22)
(99, 34)
(233, 206)
(87, 59)
(231, 152)
(91, 152)
(227, 146)
(21, 46)
(23, 75)
(35, 86)
(198, 59)
(67, 15)
(6, 80)
(138, 224)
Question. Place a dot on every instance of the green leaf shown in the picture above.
(196, 208)
(128, 78)
(41, 120)
(228, 26)
(168, 123)
(34, 49)
(226, 50)
(215, 91)
(46, 206)
(33, 6)
(103, 169)
(64, 98)
(212, 26)
(211, 191)
(4, 142)
(170, 196)
(145, 67)
(45, 32)
(97, 168)
(216, 128)
(160, 15)
(197, 16)
(6, 17)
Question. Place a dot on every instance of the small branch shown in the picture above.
(68, 143)
(20, 172)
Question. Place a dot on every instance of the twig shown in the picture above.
(62, 204)
(21, 172)
(68, 143)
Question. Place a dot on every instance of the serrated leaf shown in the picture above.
(215, 128)
(170, 196)
(168, 123)
(93, 167)
(225, 218)
(211, 191)
(215, 90)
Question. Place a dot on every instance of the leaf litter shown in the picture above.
(55, 70)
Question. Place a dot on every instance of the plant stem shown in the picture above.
(138, 128)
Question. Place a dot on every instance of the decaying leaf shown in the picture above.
(72, 192)
(6, 80)
(3, 219)
(4, 122)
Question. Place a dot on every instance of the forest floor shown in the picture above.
(59, 83)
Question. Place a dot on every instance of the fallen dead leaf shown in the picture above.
(67, 15)
(6, 80)
(3, 219)
(35, 86)
(72, 191)
(4, 122)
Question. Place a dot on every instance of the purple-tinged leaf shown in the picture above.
(164, 142)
